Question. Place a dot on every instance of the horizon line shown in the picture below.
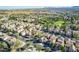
(31, 7)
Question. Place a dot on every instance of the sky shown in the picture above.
(52, 3)
(40, 2)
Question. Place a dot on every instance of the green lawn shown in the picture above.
(59, 23)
